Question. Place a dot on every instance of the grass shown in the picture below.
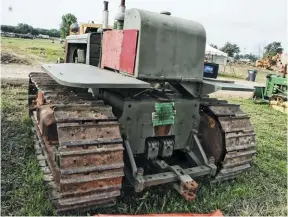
(22, 189)
(229, 75)
(241, 72)
(260, 191)
(42, 50)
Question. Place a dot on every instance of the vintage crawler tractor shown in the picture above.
(98, 119)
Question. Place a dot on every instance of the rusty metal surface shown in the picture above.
(86, 169)
(187, 187)
(239, 141)
(47, 123)
(210, 133)
(228, 110)
(189, 193)
(232, 127)
(83, 112)
(82, 144)
(235, 124)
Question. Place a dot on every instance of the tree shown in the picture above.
(115, 25)
(230, 49)
(214, 45)
(67, 20)
(35, 32)
(271, 49)
(237, 56)
(54, 33)
(251, 57)
(6, 28)
(23, 28)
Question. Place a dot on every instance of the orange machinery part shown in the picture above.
(215, 213)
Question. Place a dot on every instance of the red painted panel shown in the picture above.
(111, 49)
(128, 52)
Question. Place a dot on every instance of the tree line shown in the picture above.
(233, 50)
(23, 28)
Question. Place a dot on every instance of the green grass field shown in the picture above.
(260, 191)
(42, 50)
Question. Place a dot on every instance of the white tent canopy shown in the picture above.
(216, 56)
(214, 51)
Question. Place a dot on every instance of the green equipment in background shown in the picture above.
(274, 93)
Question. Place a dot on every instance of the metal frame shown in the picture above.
(167, 174)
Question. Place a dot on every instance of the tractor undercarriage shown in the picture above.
(83, 153)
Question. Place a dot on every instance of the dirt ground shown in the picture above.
(15, 67)
(8, 58)
(17, 73)
(231, 94)
(236, 94)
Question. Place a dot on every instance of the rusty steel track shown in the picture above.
(79, 143)
(230, 130)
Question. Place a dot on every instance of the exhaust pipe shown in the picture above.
(119, 17)
(165, 13)
(105, 15)
(122, 3)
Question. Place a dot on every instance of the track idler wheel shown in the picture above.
(226, 133)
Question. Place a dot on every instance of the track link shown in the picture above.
(236, 134)
(81, 144)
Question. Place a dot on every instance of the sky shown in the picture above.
(251, 24)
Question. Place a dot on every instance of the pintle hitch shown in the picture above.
(186, 186)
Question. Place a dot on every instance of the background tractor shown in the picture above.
(84, 28)
(276, 89)
(274, 92)
(98, 118)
